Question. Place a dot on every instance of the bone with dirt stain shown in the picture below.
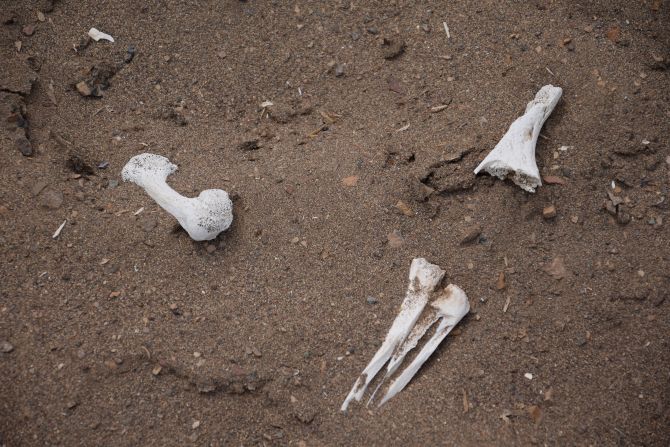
(411, 324)
(514, 155)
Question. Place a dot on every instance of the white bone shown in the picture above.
(450, 306)
(97, 35)
(515, 153)
(203, 217)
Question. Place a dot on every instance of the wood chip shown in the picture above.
(553, 180)
(500, 283)
(535, 413)
(404, 208)
(614, 34)
(439, 108)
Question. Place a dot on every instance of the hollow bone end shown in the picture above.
(147, 167)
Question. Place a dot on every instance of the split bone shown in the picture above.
(515, 153)
(410, 326)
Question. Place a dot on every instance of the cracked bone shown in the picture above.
(203, 217)
(514, 154)
(410, 326)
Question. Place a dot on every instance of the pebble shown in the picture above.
(6, 347)
(24, 146)
(339, 70)
(395, 239)
(130, 54)
(148, 224)
(52, 199)
(549, 212)
(28, 30)
(471, 233)
(350, 181)
(211, 248)
(392, 49)
(371, 300)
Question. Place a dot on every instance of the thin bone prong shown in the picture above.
(423, 278)
(451, 307)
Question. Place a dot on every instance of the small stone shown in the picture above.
(549, 212)
(622, 217)
(24, 146)
(195, 425)
(556, 268)
(84, 89)
(471, 233)
(130, 54)
(28, 30)
(339, 70)
(6, 347)
(574, 219)
(371, 300)
(553, 180)
(52, 199)
(148, 224)
(528, 376)
(112, 183)
(40, 16)
(392, 49)
(250, 145)
(395, 239)
(211, 248)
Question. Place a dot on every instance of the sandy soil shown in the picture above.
(122, 331)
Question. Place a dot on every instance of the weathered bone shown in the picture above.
(450, 306)
(515, 153)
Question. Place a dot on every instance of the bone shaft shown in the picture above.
(169, 199)
(403, 379)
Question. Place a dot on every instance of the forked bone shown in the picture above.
(514, 155)
(450, 306)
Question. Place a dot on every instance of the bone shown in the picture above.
(450, 307)
(514, 155)
(203, 217)
(96, 35)
(410, 326)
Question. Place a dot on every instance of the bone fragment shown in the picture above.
(514, 155)
(410, 326)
